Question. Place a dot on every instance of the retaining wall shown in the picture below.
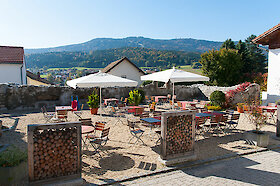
(13, 97)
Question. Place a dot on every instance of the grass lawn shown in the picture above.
(188, 68)
(78, 68)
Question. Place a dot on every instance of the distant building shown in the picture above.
(272, 39)
(126, 69)
(12, 65)
(35, 79)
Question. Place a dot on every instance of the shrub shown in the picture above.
(216, 108)
(134, 97)
(142, 92)
(12, 156)
(218, 98)
(93, 100)
(231, 93)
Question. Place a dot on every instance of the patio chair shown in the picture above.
(98, 143)
(118, 114)
(199, 124)
(152, 107)
(233, 122)
(62, 115)
(135, 132)
(79, 112)
(215, 122)
(223, 122)
(48, 116)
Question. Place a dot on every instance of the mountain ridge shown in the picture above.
(182, 44)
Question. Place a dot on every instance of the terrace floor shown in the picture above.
(124, 159)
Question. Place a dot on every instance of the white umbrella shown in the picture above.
(173, 75)
(101, 80)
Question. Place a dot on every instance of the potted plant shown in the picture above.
(258, 118)
(13, 166)
(240, 107)
(134, 97)
(93, 102)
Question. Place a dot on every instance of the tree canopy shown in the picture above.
(233, 64)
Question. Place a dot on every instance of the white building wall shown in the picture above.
(273, 79)
(12, 73)
(127, 70)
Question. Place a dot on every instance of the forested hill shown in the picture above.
(187, 45)
(101, 58)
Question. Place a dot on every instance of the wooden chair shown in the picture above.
(79, 112)
(199, 123)
(135, 132)
(125, 101)
(98, 143)
(118, 114)
(233, 122)
(48, 116)
(62, 115)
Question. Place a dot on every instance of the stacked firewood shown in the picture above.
(55, 153)
(179, 134)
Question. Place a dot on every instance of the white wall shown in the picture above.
(125, 68)
(273, 79)
(11, 73)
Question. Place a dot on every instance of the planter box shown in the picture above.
(261, 140)
(13, 175)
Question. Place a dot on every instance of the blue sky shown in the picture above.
(49, 23)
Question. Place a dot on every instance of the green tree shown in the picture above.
(223, 67)
(228, 44)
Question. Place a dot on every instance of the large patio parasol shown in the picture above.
(174, 76)
(101, 80)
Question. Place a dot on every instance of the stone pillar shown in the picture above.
(278, 121)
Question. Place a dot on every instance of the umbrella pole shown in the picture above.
(100, 97)
(173, 97)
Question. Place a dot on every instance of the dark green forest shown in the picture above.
(142, 57)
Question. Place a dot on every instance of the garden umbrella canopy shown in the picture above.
(173, 75)
(101, 80)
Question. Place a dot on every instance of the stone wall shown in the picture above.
(25, 97)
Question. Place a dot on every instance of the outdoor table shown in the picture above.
(160, 99)
(151, 122)
(132, 109)
(63, 108)
(198, 115)
(111, 101)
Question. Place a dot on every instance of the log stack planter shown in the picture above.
(177, 137)
(54, 152)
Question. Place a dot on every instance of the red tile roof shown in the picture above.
(264, 37)
(11, 55)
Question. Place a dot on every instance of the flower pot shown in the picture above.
(93, 111)
(240, 109)
(13, 175)
(245, 107)
(260, 139)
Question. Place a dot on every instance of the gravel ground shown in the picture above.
(123, 159)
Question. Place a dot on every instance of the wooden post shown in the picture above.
(278, 121)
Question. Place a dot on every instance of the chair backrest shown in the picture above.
(125, 100)
(99, 126)
(113, 110)
(105, 133)
(153, 107)
(121, 100)
(74, 105)
(171, 103)
(86, 121)
(180, 104)
(169, 96)
(145, 115)
(215, 119)
(62, 114)
(82, 106)
(224, 118)
(200, 121)
(43, 109)
(138, 111)
(235, 116)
